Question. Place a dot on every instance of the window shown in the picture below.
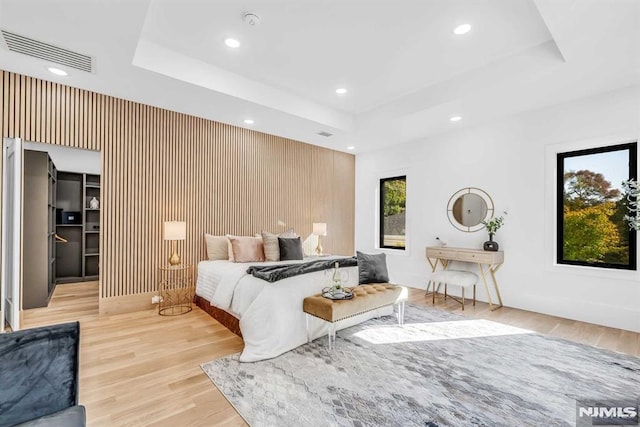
(393, 197)
(592, 205)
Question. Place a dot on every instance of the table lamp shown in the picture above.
(173, 231)
(319, 229)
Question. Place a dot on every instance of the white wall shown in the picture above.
(513, 160)
(69, 159)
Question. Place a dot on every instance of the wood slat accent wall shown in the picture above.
(161, 165)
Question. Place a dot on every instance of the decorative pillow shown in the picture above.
(271, 245)
(230, 248)
(217, 247)
(247, 249)
(372, 268)
(290, 248)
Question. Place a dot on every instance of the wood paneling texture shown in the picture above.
(161, 165)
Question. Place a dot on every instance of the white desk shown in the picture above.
(488, 263)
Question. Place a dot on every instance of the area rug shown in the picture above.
(440, 370)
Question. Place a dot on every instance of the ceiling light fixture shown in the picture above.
(462, 29)
(57, 71)
(455, 118)
(341, 91)
(232, 43)
(248, 122)
(351, 147)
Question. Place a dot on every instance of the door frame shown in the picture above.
(11, 259)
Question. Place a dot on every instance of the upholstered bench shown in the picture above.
(464, 279)
(365, 298)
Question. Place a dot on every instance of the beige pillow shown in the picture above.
(229, 249)
(271, 246)
(217, 247)
(246, 249)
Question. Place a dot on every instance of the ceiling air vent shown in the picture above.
(324, 133)
(26, 46)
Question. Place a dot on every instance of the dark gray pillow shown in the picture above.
(372, 268)
(290, 248)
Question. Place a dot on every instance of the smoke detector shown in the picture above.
(251, 19)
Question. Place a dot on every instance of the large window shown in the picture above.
(592, 205)
(393, 197)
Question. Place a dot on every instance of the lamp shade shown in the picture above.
(175, 230)
(320, 228)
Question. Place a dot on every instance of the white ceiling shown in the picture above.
(405, 71)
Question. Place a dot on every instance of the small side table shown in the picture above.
(176, 290)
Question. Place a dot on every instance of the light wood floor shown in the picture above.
(141, 369)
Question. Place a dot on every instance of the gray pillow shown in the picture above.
(290, 248)
(372, 268)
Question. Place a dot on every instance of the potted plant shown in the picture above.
(492, 226)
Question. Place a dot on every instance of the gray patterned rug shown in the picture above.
(440, 370)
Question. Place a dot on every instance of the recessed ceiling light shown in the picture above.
(248, 121)
(455, 118)
(462, 29)
(232, 43)
(57, 71)
(341, 91)
(351, 147)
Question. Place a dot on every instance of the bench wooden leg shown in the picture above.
(474, 295)
(434, 292)
(462, 299)
(431, 284)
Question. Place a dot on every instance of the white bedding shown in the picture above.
(271, 317)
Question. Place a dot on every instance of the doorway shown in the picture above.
(60, 230)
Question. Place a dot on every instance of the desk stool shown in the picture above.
(461, 278)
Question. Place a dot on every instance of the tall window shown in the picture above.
(592, 205)
(393, 197)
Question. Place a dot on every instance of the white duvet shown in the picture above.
(271, 317)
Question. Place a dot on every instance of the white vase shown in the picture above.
(94, 203)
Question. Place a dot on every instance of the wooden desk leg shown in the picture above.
(434, 265)
(491, 270)
(486, 287)
(495, 284)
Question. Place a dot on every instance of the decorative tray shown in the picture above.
(338, 295)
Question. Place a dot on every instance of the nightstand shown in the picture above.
(176, 290)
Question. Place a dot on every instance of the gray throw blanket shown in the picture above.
(273, 273)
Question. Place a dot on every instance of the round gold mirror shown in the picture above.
(468, 207)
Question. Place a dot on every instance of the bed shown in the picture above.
(268, 316)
